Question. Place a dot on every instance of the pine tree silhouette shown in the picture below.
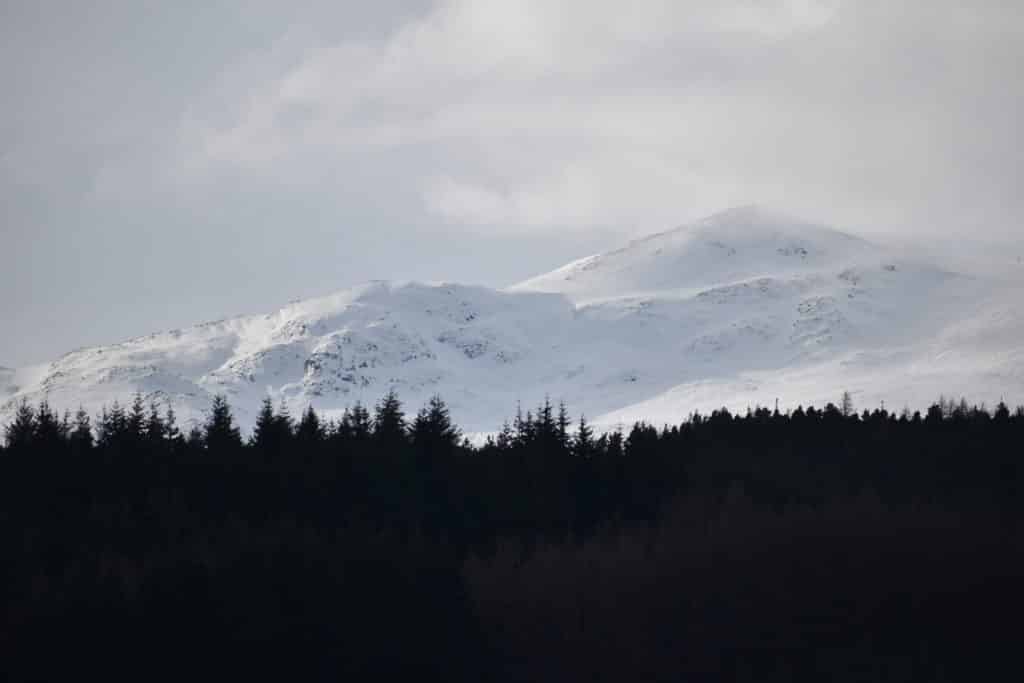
(583, 443)
(50, 432)
(137, 424)
(389, 423)
(273, 433)
(220, 433)
(433, 434)
(175, 440)
(310, 433)
(360, 425)
(156, 431)
(81, 434)
(20, 434)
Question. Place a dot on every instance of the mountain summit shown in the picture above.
(738, 244)
(741, 308)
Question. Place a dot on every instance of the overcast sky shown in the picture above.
(165, 162)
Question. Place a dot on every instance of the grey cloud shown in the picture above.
(220, 157)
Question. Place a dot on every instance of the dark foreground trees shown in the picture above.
(802, 546)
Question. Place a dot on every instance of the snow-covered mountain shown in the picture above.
(742, 308)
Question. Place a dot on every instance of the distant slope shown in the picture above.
(744, 307)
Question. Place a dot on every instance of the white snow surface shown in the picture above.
(741, 309)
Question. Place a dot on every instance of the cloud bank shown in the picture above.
(216, 157)
(534, 115)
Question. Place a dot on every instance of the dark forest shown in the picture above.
(815, 544)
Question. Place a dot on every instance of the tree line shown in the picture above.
(315, 547)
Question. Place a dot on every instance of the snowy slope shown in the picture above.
(744, 307)
(741, 244)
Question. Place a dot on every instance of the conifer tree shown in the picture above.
(273, 431)
(81, 434)
(264, 424)
(113, 429)
(545, 430)
(285, 424)
(433, 434)
(521, 426)
(194, 441)
(643, 438)
(156, 430)
(506, 438)
(563, 426)
(546, 419)
(221, 436)
(175, 441)
(341, 436)
(20, 434)
(137, 422)
(360, 426)
(310, 432)
(50, 432)
(389, 423)
(583, 444)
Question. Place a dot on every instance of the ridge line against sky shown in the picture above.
(163, 163)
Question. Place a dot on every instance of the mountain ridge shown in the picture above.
(740, 308)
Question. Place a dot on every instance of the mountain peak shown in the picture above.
(736, 244)
(754, 222)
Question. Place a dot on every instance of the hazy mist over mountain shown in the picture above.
(162, 163)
